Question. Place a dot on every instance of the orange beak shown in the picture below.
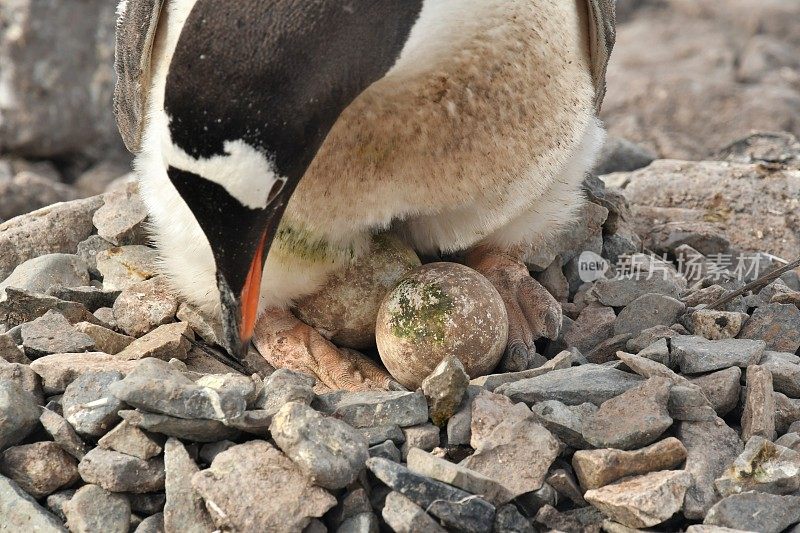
(251, 293)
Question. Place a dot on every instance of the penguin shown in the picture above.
(272, 139)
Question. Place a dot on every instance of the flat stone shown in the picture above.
(755, 511)
(52, 333)
(164, 342)
(758, 415)
(378, 434)
(642, 501)
(130, 440)
(376, 408)
(118, 472)
(197, 430)
(696, 354)
(776, 324)
(716, 325)
(564, 421)
(658, 352)
(63, 433)
(19, 414)
(105, 340)
(40, 468)
(785, 374)
(46, 272)
(428, 465)
(328, 451)
(59, 370)
(405, 516)
(23, 306)
(633, 419)
(144, 306)
(90, 296)
(764, 467)
(444, 389)
(621, 291)
(121, 218)
(184, 509)
(710, 447)
(89, 405)
(491, 381)
(597, 468)
(722, 388)
(572, 386)
(20, 512)
(254, 487)
(23, 376)
(10, 352)
(424, 436)
(387, 450)
(453, 507)
(96, 509)
(126, 266)
(647, 311)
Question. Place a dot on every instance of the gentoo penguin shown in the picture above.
(273, 138)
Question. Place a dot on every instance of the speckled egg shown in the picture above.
(437, 310)
(344, 310)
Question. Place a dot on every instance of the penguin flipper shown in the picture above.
(136, 29)
(602, 35)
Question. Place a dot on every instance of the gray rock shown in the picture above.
(130, 440)
(10, 352)
(40, 468)
(244, 386)
(20, 512)
(147, 503)
(55, 502)
(54, 229)
(28, 190)
(90, 296)
(488, 411)
(647, 337)
(126, 266)
(45, 272)
(152, 524)
(710, 447)
(550, 519)
(621, 291)
(22, 306)
(776, 324)
(23, 376)
(195, 430)
(564, 421)
(763, 467)
(387, 450)
(59, 370)
(255, 422)
(405, 516)
(459, 427)
(360, 523)
(621, 155)
(105, 340)
(444, 389)
(379, 434)
(703, 237)
(88, 250)
(758, 415)
(375, 408)
(52, 333)
(170, 341)
(208, 329)
(328, 451)
(89, 405)
(105, 316)
(452, 506)
(424, 436)
(121, 219)
(594, 325)
(509, 520)
(785, 374)
(209, 451)
(118, 472)
(491, 381)
(721, 388)
(184, 509)
(19, 414)
(144, 306)
(687, 402)
(715, 325)
(572, 386)
(648, 311)
(606, 351)
(63, 434)
(787, 411)
(696, 354)
(96, 509)
(754, 511)
(254, 487)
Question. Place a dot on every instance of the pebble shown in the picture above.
(88, 404)
(444, 388)
(126, 266)
(716, 325)
(572, 386)
(785, 374)
(94, 509)
(254, 487)
(633, 419)
(119, 472)
(622, 291)
(40, 468)
(564, 421)
(453, 507)
(52, 333)
(59, 370)
(376, 408)
(642, 501)
(19, 414)
(764, 467)
(696, 355)
(164, 342)
(105, 340)
(144, 306)
(405, 516)
(121, 218)
(710, 447)
(63, 433)
(387, 450)
(130, 440)
(648, 311)
(46, 272)
(20, 512)
(197, 430)
(184, 509)
(423, 436)
(755, 511)
(328, 451)
(776, 324)
(722, 388)
(597, 468)
(758, 415)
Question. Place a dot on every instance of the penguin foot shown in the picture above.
(287, 342)
(533, 313)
